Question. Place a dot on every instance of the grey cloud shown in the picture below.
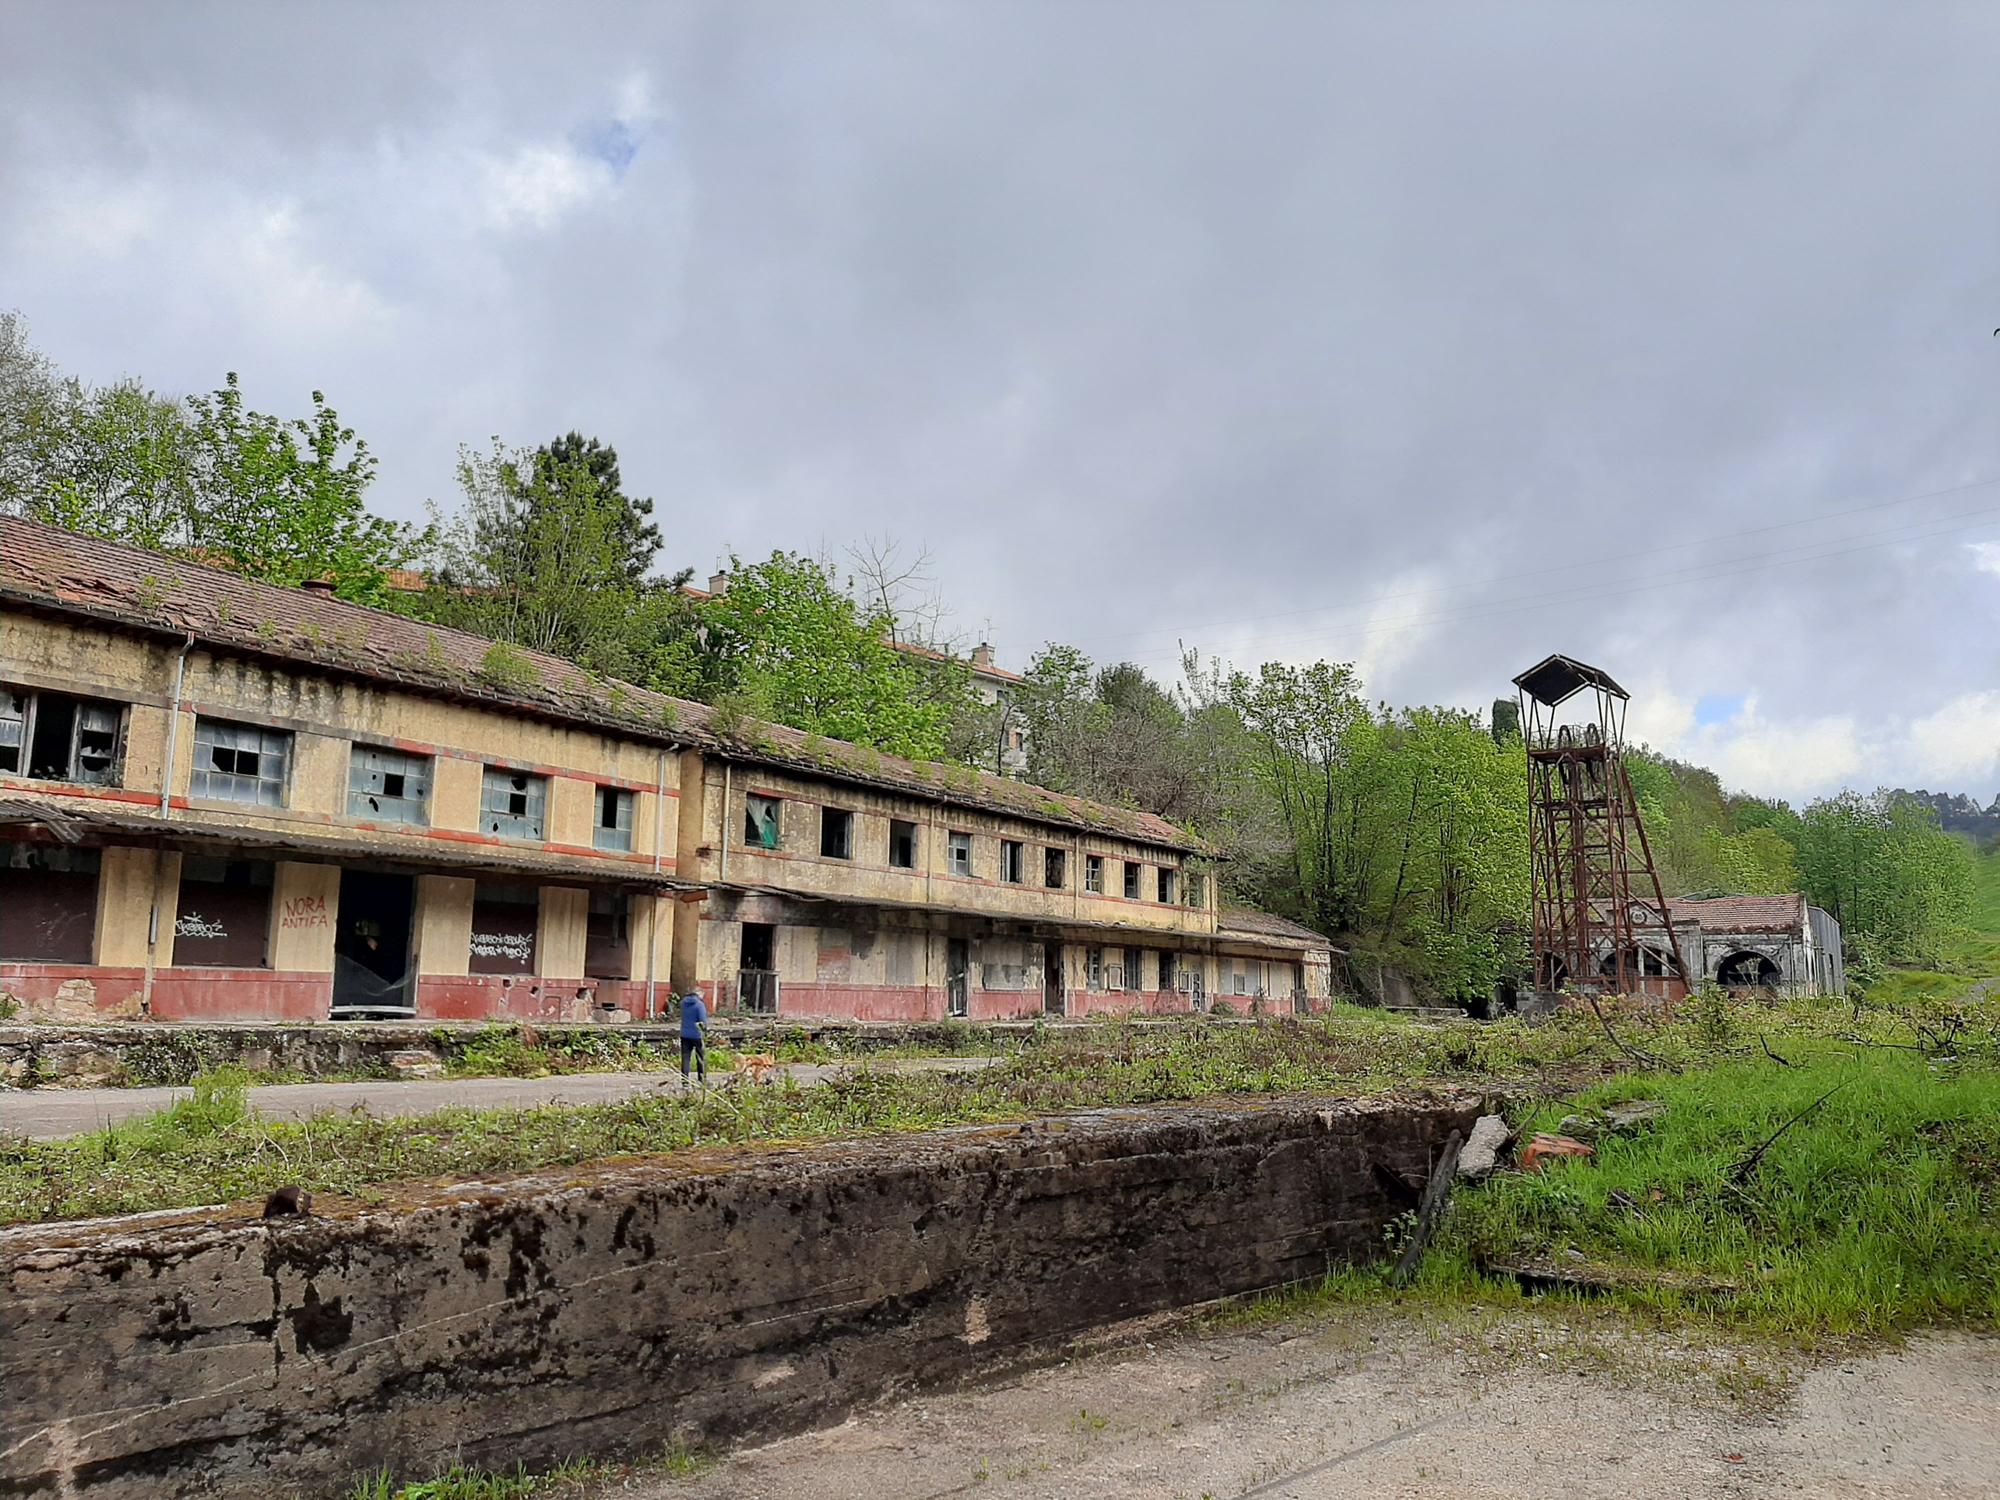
(1155, 321)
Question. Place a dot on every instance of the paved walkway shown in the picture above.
(51, 1114)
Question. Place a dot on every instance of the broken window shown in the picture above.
(240, 762)
(902, 845)
(614, 819)
(961, 853)
(1093, 968)
(1166, 885)
(760, 821)
(55, 737)
(1167, 984)
(1053, 861)
(1093, 873)
(1011, 860)
(387, 786)
(836, 833)
(511, 803)
(1132, 869)
(1197, 890)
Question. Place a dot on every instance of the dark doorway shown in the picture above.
(371, 946)
(957, 964)
(1747, 971)
(757, 968)
(1054, 1002)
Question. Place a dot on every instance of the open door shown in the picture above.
(957, 976)
(1054, 1001)
(371, 946)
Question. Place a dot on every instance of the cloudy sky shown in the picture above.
(1431, 339)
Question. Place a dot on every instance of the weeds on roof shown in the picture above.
(508, 668)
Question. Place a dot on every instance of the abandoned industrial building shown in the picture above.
(1780, 945)
(225, 800)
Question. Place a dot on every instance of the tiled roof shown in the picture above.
(1742, 913)
(67, 572)
(911, 648)
(1264, 924)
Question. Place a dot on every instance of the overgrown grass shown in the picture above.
(570, 1480)
(214, 1149)
(1875, 1212)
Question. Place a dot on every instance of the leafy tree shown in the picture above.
(1900, 885)
(541, 554)
(786, 642)
(281, 500)
(634, 538)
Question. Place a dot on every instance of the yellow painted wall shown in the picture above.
(305, 907)
(125, 892)
(444, 925)
(561, 933)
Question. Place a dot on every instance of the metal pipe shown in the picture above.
(166, 811)
(726, 769)
(653, 920)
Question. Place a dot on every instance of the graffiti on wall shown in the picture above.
(193, 925)
(305, 911)
(519, 946)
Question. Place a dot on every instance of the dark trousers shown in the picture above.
(693, 1046)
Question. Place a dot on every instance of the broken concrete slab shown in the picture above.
(1490, 1136)
(1628, 1118)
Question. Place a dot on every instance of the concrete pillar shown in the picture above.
(653, 956)
(572, 811)
(455, 784)
(125, 890)
(443, 925)
(305, 909)
(562, 932)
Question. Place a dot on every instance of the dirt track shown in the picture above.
(1377, 1405)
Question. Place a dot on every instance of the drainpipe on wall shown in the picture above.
(726, 769)
(166, 812)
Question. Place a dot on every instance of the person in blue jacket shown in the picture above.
(693, 1014)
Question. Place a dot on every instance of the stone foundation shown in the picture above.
(611, 1309)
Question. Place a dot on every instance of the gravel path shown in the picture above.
(1375, 1405)
(50, 1114)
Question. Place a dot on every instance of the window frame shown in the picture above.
(1167, 886)
(958, 852)
(625, 805)
(213, 783)
(1093, 874)
(28, 701)
(898, 826)
(1093, 968)
(1133, 879)
(1055, 868)
(1013, 862)
(753, 802)
(358, 797)
(534, 816)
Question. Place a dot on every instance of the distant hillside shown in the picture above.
(1958, 813)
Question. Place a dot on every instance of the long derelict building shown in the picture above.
(221, 800)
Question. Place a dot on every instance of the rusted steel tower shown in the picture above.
(1585, 838)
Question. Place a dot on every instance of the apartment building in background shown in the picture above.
(225, 800)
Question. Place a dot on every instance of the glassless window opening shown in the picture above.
(1010, 861)
(1166, 885)
(902, 845)
(240, 762)
(1093, 968)
(836, 833)
(55, 737)
(1053, 868)
(1131, 880)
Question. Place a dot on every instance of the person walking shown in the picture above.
(693, 1015)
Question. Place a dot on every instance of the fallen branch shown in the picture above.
(1783, 1062)
(1436, 1193)
(1638, 1055)
(1741, 1173)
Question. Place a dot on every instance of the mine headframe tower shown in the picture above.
(1585, 840)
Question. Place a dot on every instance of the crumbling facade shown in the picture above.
(1778, 945)
(224, 800)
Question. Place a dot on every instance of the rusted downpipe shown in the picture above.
(166, 812)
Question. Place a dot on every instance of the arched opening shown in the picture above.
(1747, 971)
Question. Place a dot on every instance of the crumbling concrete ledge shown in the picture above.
(612, 1308)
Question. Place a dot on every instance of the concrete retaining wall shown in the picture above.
(610, 1309)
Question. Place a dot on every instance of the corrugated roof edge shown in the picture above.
(146, 603)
